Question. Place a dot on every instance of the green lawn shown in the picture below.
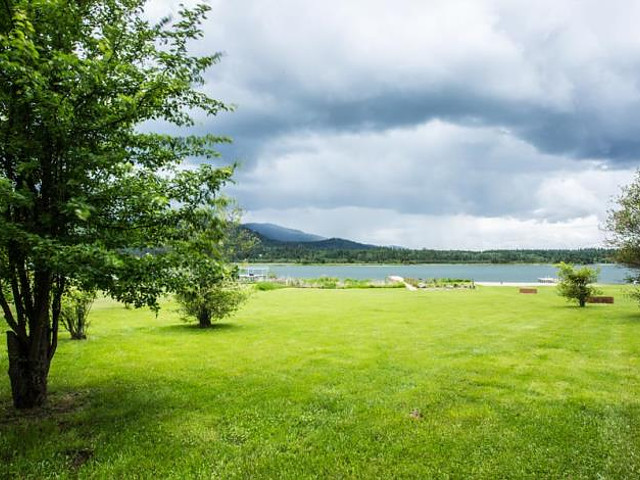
(378, 383)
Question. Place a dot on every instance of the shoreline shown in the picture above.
(515, 284)
(488, 274)
(332, 264)
(536, 284)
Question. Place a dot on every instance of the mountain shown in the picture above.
(276, 236)
(337, 244)
(282, 234)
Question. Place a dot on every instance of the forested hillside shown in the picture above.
(336, 250)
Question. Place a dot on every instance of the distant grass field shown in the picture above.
(342, 384)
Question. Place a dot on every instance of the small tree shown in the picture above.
(213, 294)
(210, 302)
(624, 225)
(74, 313)
(575, 284)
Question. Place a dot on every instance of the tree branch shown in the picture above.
(17, 295)
(56, 308)
(26, 288)
(8, 314)
(7, 7)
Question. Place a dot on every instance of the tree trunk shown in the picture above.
(28, 370)
(77, 331)
(204, 319)
(583, 302)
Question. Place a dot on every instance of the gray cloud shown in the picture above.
(566, 81)
(436, 168)
(496, 109)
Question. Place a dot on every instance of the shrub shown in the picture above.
(213, 302)
(412, 281)
(353, 283)
(575, 284)
(74, 312)
(323, 282)
(267, 286)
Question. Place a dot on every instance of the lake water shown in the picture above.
(476, 272)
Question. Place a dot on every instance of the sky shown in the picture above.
(445, 124)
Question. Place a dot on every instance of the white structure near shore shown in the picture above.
(253, 274)
(547, 280)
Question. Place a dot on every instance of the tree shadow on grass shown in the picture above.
(193, 327)
(111, 423)
(58, 404)
(141, 425)
(616, 316)
(577, 308)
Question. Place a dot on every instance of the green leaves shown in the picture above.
(208, 301)
(84, 194)
(575, 284)
(624, 224)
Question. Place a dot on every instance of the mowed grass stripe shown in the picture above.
(309, 383)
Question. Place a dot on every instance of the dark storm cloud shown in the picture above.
(577, 134)
(560, 75)
(437, 168)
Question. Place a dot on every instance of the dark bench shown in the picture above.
(600, 300)
(528, 290)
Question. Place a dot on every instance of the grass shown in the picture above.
(376, 383)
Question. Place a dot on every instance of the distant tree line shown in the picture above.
(282, 252)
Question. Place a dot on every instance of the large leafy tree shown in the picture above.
(624, 226)
(87, 198)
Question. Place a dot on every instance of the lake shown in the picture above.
(476, 272)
